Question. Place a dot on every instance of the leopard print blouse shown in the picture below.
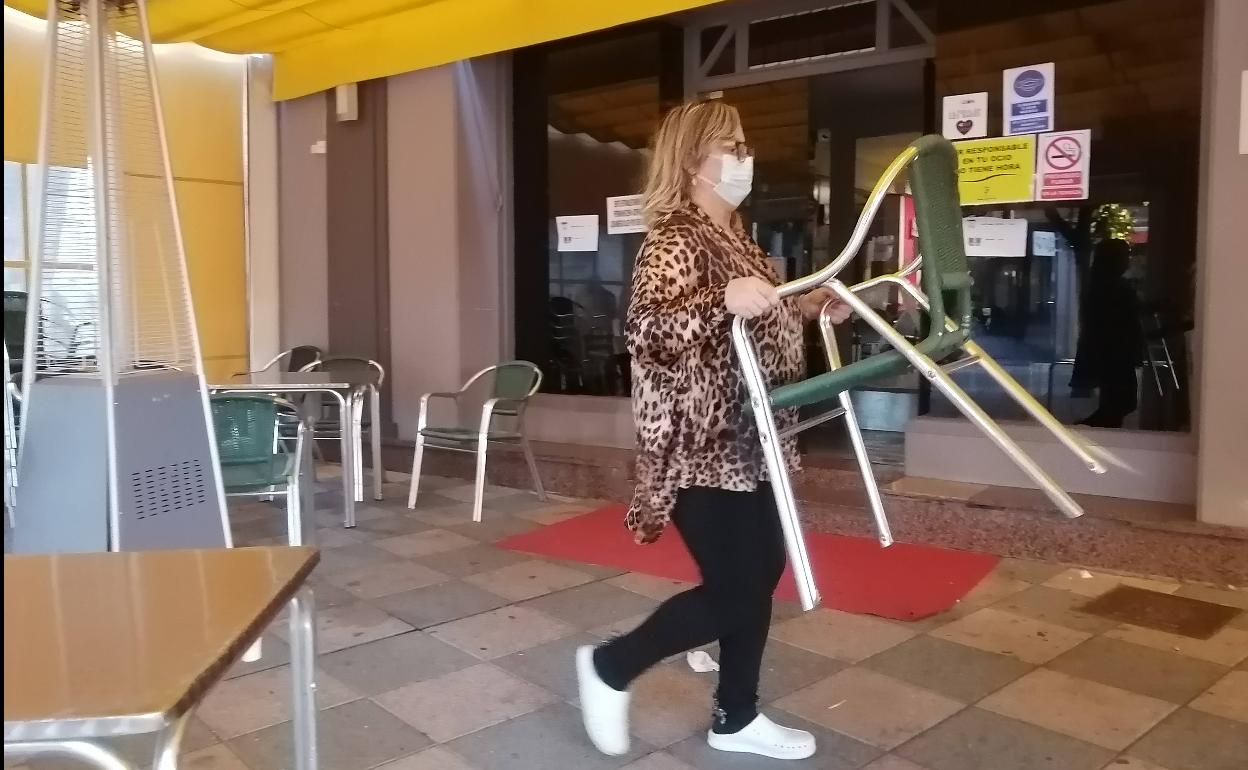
(688, 397)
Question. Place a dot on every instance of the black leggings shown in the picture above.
(736, 540)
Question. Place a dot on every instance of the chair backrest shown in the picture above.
(300, 356)
(516, 380)
(352, 366)
(245, 428)
(938, 211)
(15, 320)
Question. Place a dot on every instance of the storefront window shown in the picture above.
(597, 101)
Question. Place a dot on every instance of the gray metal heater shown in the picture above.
(117, 450)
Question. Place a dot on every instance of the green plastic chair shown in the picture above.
(253, 456)
(947, 347)
(514, 383)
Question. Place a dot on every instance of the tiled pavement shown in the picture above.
(441, 652)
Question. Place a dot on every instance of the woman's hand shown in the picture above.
(750, 297)
(813, 301)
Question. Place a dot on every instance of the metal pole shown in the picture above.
(303, 678)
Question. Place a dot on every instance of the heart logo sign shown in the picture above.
(964, 126)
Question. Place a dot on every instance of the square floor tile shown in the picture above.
(1227, 698)
(428, 497)
(1053, 605)
(464, 701)
(592, 605)
(351, 624)
(993, 588)
(1192, 740)
(1029, 570)
(980, 740)
(1090, 711)
(446, 514)
(553, 513)
(390, 663)
(841, 635)
(425, 543)
(671, 704)
(960, 672)
(217, 757)
(355, 736)
(1181, 615)
(550, 665)
(1092, 584)
(517, 503)
(391, 525)
(501, 632)
(439, 603)
(649, 585)
(249, 703)
(1230, 598)
(835, 751)
(494, 529)
(1132, 763)
(466, 493)
(338, 537)
(1167, 676)
(387, 578)
(527, 579)
(335, 560)
(1031, 641)
(893, 762)
(870, 707)
(274, 652)
(435, 758)
(1227, 647)
(476, 558)
(550, 739)
(659, 760)
(787, 669)
(595, 571)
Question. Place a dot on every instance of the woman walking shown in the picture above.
(699, 465)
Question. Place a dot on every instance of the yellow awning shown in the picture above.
(319, 44)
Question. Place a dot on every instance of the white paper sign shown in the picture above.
(624, 215)
(1027, 99)
(966, 116)
(1062, 162)
(994, 237)
(578, 233)
(1044, 243)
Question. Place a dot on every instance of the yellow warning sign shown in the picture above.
(998, 170)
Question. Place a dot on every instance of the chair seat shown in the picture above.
(468, 435)
(829, 385)
(252, 476)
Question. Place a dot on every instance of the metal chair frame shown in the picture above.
(485, 434)
(762, 403)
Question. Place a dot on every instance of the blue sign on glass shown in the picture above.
(1029, 125)
(1030, 108)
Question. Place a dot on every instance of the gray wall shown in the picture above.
(1222, 274)
(302, 212)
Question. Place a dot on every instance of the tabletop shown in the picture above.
(99, 644)
(292, 381)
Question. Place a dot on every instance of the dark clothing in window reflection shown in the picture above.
(1110, 337)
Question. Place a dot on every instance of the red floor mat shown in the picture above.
(904, 582)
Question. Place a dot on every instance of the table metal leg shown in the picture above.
(303, 678)
(357, 444)
(169, 743)
(374, 433)
(83, 751)
(346, 409)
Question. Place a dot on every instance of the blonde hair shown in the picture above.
(679, 146)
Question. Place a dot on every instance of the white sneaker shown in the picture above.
(765, 738)
(603, 708)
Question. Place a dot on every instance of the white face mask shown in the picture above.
(736, 177)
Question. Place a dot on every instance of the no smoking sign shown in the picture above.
(1063, 165)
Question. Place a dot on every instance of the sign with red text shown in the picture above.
(1062, 163)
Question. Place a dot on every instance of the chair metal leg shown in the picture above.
(943, 382)
(417, 456)
(478, 493)
(357, 444)
(374, 435)
(833, 355)
(777, 469)
(1071, 440)
(303, 678)
(528, 458)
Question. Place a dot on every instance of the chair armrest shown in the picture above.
(451, 396)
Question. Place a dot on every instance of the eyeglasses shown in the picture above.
(740, 149)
